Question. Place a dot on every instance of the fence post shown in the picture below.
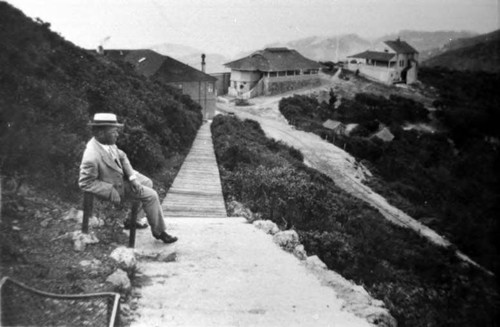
(88, 209)
(133, 219)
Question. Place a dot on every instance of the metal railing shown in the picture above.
(21, 305)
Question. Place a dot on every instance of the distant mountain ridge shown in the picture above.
(329, 48)
(334, 48)
(426, 43)
(337, 48)
(192, 57)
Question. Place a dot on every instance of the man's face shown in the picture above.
(109, 136)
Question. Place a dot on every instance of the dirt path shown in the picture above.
(329, 159)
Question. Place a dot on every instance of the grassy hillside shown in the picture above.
(422, 285)
(447, 179)
(481, 53)
(49, 89)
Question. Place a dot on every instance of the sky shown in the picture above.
(230, 27)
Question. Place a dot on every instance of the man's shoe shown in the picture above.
(165, 238)
(138, 225)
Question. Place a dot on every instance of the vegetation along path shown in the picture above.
(330, 160)
(223, 271)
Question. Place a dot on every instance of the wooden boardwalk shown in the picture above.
(197, 191)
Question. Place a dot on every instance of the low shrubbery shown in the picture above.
(422, 285)
(447, 179)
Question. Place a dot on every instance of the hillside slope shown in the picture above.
(49, 88)
(480, 53)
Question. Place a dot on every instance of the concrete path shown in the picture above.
(197, 191)
(225, 272)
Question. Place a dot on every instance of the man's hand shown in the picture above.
(115, 197)
(136, 187)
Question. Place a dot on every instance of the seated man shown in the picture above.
(106, 172)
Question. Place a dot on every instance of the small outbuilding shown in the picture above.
(336, 126)
(384, 134)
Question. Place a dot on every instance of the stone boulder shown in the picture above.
(315, 262)
(80, 240)
(267, 226)
(125, 257)
(77, 216)
(237, 209)
(300, 252)
(356, 299)
(120, 280)
(287, 240)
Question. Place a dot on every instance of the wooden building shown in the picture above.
(271, 71)
(192, 82)
(388, 62)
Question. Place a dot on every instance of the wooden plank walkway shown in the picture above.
(197, 191)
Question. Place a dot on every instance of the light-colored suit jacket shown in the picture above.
(100, 173)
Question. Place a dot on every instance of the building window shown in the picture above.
(289, 73)
(282, 73)
(210, 88)
(273, 74)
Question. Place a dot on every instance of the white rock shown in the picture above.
(120, 279)
(300, 252)
(315, 262)
(267, 226)
(92, 264)
(287, 240)
(356, 299)
(95, 222)
(167, 257)
(237, 209)
(73, 214)
(125, 257)
(45, 222)
(80, 240)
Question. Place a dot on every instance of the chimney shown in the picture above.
(100, 50)
(203, 62)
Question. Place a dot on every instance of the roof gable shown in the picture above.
(150, 63)
(400, 46)
(273, 59)
(374, 55)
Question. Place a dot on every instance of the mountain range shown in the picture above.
(332, 48)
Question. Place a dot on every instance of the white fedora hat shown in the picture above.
(105, 119)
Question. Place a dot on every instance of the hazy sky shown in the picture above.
(231, 26)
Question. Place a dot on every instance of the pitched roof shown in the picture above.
(400, 46)
(150, 63)
(272, 60)
(374, 55)
(331, 124)
(384, 134)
